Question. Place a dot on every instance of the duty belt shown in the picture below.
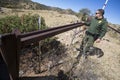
(88, 33)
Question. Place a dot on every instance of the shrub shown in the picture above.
(25, 23)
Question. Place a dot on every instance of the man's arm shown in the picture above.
(103, 30)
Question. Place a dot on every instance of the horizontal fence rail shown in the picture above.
(10, 44)
(114, 29)
(40, 35)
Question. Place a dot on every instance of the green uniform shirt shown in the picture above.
(97, 27)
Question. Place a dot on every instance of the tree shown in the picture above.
(83, 14)
(84, 11)
(69, 11)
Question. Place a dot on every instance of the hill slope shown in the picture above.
(28, 4)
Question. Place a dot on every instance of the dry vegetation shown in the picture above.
(52, 18)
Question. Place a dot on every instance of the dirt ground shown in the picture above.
(106, 67)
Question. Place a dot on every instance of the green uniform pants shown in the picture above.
(87, 42)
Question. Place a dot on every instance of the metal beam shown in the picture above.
(40, 35)
(9, 53)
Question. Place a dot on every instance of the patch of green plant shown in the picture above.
(25, 23)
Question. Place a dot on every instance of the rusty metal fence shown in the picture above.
(10, 44)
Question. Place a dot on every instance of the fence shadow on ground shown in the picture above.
(60, 76)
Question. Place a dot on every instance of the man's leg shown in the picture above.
(84, 41)
(89, 43)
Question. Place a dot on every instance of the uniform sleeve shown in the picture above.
(88, 21)
(103, 30)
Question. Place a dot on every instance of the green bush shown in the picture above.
(25, 23)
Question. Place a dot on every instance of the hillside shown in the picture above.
(51, 21)
(28, 4)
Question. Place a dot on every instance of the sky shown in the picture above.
(112, 12)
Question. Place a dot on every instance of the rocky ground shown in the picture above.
(93, 68)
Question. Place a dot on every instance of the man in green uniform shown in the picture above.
(96, 31)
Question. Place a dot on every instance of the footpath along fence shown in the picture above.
(11, 44)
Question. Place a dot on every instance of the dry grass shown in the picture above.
(52, 18)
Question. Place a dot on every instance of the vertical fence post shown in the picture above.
(39, 22)
(39, 47)
(9, 52)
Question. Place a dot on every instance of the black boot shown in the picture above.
(100, 54)
(86, 55)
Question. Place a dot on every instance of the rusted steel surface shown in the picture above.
(41, 31)
(40, 35)
(9, 54)
(36, 36)
(10, 45)
(114, 29)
